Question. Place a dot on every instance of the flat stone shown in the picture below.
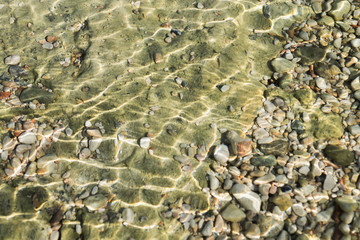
(207, 229)
(347, 203)
(269, 107)
(299, 209)
(95, 133)
(221, 153)
(253, 232)
(355, 84)
(12, 60)
(305, 95)
(260, 133)
(269, 226)
(27, 138)
(249, 200)
(357, 95)
(239, 146)
(48, 46)
(281, 65)
(224, 88)
(355, 130)
(342, 157)
(95, 202)
(265, 179)
(276, 148)
(329, 183)
(325, 216)
(34, 93)
(282, 201)
(326, 20)
(311, 54)
(339, 9)
(264, 160)
(233, 214)
(94, 143)
(321, 83)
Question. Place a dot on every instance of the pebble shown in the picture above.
(347, 203)
(214, 182)
(85, 153)
(355, 42)
(221, 153)
(199, 5)
(27, 138)
(145, 142)
(94, 143)
(354, 130)
(128, 215)
(265, 179)
(224, 88)
(325, 216)
(207, 229)
(48, 46)
(330, 182)
(12, 60)
(88, 124)
(299, 209)
(321, 83)
(78, 229)
(265, 160)
(94, 190)
(68, 131)
(94, 133)
(233, 214)
(54, 235)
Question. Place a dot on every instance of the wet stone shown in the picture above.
(355, 42)
(265, 160)
(221, 153)
(144, 142)
(233, 214)
(27, 138)
(95, 202)
(34, 93)
(347, 203)
(128, 215)
(276, 148)
(281, 65)
(339, 9)
(310, 55)
(342, 157)
(269, 226)
(207, 229)
(283, 201)
(12, 60)
(329, 183)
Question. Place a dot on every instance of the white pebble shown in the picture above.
(145, 142)
(88, 124)
(12, 60)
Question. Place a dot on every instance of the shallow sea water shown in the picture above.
(118, 83)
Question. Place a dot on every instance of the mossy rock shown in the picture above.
(30, 198)
(305, 95)
(310, 55)
(35, 93)
(282, 201)
(338, 155)
(324, 126)
(6, 200)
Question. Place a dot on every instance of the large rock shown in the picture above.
(339, 9)
(281, 65)
(277, 147)
(338, 155)
(233, 214)
(39, 94)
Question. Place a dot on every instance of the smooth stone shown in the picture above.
(94, 190)
(304, 170)
(281, 65)
(144, 142)
(85, 153)
(355, 42)
(207, 229)
(265, 140)
(54, 235)
(27, 138)
(95, 133)
(239, 146)
(327, 70)
(12, 60)
(326, 20)
(347, 217)
(276, 148)
(355, 130)
(128, 215)
(321, 83)
(329, 183)
(95, 202)
(224, 88)
(269, 107)
(94, 143)
(265, 179)
(48, 46)
(34, 93)
(264, 160)
(347, 203)
(282, 201)
(214, 182)
(298, 209)
(253, 232)
(68, 131)
(357, 95)
(325, 216)
(260, 133)
(339, 9)
(249, 200)
(355, 84)
(221, 153)
(342, 157)
(337, 43)
(233, 214)
(310, 55)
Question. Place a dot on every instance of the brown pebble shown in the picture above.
(157, 58)
(50, 38)
(244, 148)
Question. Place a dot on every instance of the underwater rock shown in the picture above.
(221, 153)
(310, 55)
(265, 160)
(12, 60)
(339, 9)
(39, 94)
(338, 155)
(277, 147)
(233, 214)
(281, 65)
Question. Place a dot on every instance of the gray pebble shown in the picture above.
(321, 83)
(12, 60)
(48, 46)
(144, 142)
(224, 88)
(207, 229)
(355, 42)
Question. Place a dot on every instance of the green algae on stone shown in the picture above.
(150, 196)
(324, 126)
(326, 20)
(277, 147)
(30, 229)
(327, 70)
(283, 201)
(310, 55)
(266, 160)
(34, 93)
(338, 155)
(30, 198)
(305, 95)
(6, 200)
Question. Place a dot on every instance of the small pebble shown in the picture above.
(12, 60)
(144, 142)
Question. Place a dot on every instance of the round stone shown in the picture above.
(12, 60)
(221, 153)
(145, 142)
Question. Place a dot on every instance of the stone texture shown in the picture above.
(342, 157)
(233, 214)
(281, 65)
(276, 148)
(264, 160)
